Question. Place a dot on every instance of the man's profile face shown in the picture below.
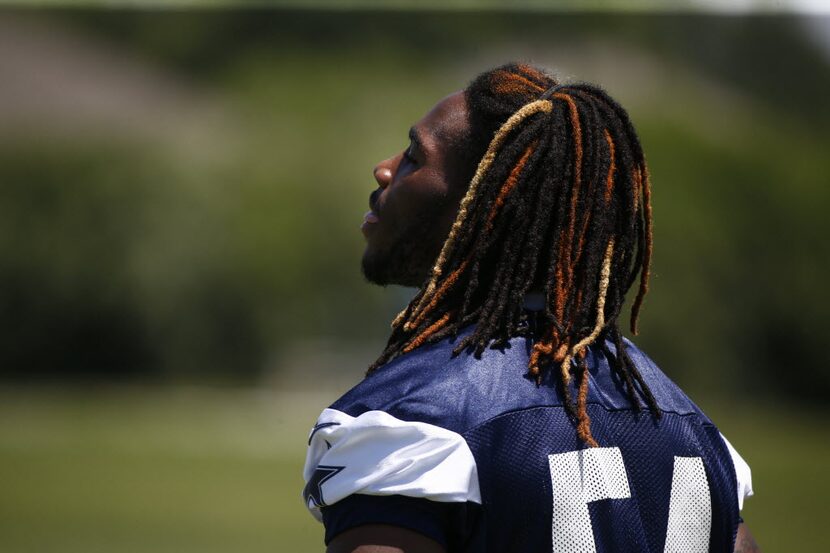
(418, 196)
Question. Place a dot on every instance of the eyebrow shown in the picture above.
(415, 137)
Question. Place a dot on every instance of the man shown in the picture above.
(506, 412)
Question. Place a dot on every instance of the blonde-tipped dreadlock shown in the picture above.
(526, 111)
(560, 202)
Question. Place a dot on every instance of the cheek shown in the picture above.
(423, 196)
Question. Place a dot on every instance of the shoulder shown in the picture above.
(396, 433)
(413, 386)
(668, 396)
(433, 386)
(401, 430)
(456, 392)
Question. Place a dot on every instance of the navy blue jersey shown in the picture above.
(472, 453)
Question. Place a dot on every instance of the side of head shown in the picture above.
(417, 198)
(559, 203)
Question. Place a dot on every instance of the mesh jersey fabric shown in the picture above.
(473, 454)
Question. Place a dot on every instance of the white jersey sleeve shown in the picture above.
(742, 473)
(378, 454)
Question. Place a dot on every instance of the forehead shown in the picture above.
(446, 121)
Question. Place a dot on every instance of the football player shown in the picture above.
(507, 412)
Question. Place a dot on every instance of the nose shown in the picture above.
(383, 172)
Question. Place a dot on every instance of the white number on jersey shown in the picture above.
(690, 508)
(579, 477)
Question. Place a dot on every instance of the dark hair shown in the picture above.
(559, 203)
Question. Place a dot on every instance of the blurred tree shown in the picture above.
(210, 221)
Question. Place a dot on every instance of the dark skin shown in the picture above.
(418, 193)
(415, 205)
(382, 538)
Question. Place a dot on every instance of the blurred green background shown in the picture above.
(180, 294)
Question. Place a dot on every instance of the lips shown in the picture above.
(369, 219)
(371, 216)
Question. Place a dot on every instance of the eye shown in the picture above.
(409, 155)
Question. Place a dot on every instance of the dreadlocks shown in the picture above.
(559, 203)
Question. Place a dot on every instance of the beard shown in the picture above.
(408, 259)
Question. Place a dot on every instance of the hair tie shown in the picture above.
(549, 92)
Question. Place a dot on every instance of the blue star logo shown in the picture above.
(314, 488)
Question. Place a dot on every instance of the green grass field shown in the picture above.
(156, 470)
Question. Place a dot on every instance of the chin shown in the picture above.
(384, 270)
(371, 271)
